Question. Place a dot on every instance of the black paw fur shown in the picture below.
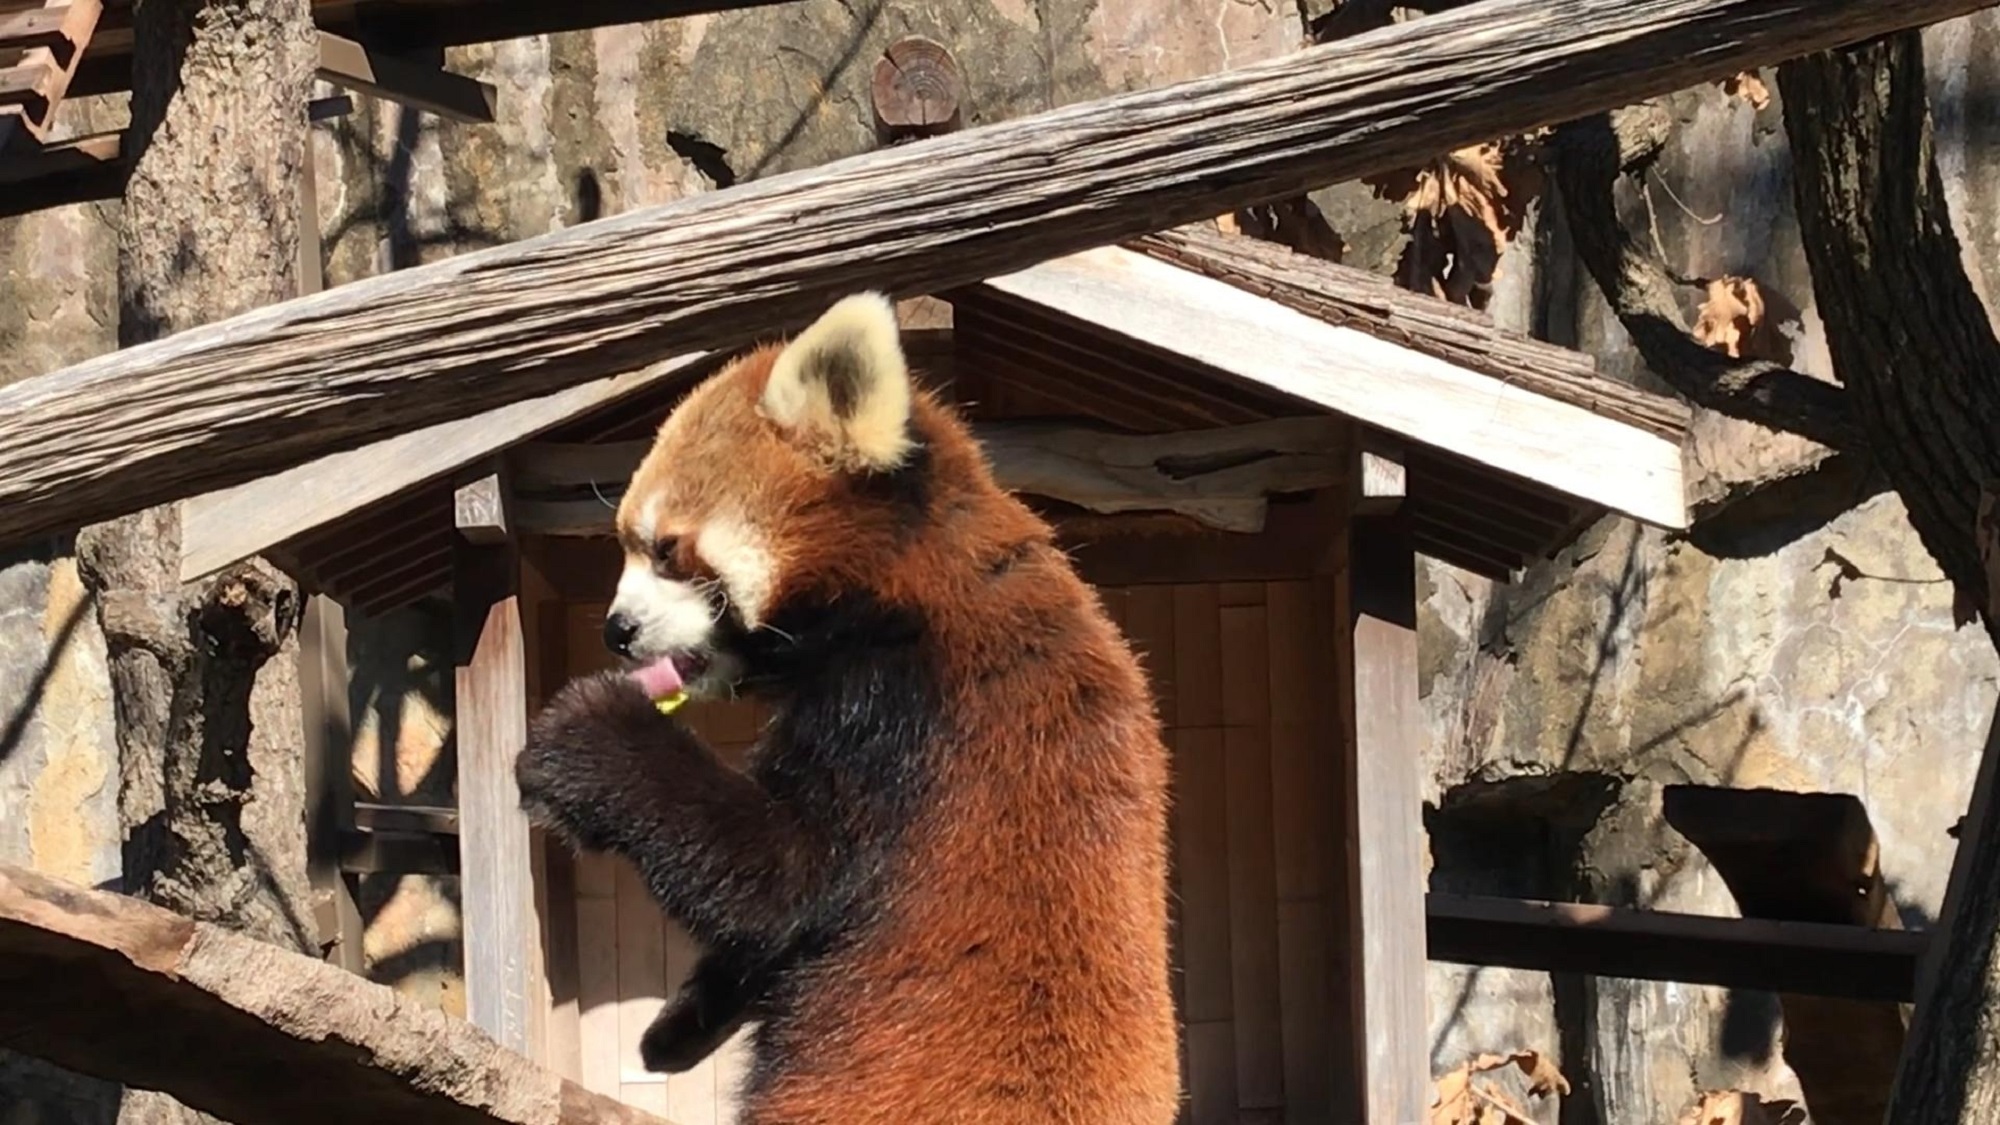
(588, 750)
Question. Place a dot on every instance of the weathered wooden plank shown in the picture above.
(597, 972)
(1381, 811)
(254, 1034)
(221, 527)
(1374, 304)
(1810, 958)
(271, 389)
(504, 989)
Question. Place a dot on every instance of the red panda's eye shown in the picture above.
(664, 548)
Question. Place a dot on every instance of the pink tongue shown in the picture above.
(659, 679)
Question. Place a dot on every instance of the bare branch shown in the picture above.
(1589, 157)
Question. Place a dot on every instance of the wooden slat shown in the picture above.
(1197, 657)
(1304, 951)
(1149, 624)
(1382, 815)
(597, 972)
(505, 994)
(1253, 921)
(51, 28)
(277, 387)
(1812, 958)
(1202, 813)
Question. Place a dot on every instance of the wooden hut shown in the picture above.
(1245, 449)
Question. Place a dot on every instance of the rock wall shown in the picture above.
(1746, 652)
(1803, 641)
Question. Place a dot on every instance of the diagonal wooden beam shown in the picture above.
(222, 404)
(455, 97)
(125, 991)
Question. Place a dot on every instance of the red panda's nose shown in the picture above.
(620, 630)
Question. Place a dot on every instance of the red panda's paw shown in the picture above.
(588, 753)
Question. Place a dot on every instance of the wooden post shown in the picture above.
(505, 992)
(329, 777)
(1381, 759)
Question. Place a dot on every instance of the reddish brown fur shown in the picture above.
(1024, 949)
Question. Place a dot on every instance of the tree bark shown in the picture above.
(204, 677)
(1910, 339)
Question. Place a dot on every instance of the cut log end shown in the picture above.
(917, 90)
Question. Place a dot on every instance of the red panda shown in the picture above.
(939, 887)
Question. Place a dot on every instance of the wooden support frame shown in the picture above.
(506, 993)
(704, 272)
(1381, 800)
(454, 97)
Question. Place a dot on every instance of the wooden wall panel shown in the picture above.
(1242, 676)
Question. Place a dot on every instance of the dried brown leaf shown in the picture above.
(1731, 315)
(1735, 1107)
(1750, 87)
(1461, 1101)
(1462, 211)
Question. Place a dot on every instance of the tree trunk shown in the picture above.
(205, 678)
(1916, 349)
(1909, 336)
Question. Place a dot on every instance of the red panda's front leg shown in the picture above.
(604, 769)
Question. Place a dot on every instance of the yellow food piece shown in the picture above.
(671, 703)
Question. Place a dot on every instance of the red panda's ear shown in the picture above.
(843, 384)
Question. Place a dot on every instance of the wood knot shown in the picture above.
(917, 91)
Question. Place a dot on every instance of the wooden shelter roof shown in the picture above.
(1511, 445)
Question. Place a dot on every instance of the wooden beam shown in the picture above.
(256, 1035)
(343, 62)
(1410, 395)
(504, 991)
(1220, 478)
(1808, 958)
(274, 388)
(80, 170)
(223, 527)
(1381, 813)
(482, 508)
